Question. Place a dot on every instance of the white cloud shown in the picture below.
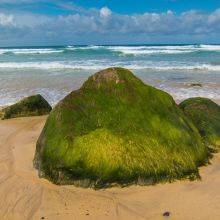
(105, 12)
(85, 26)
(6, 20)
(169, 12)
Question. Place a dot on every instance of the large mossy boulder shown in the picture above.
(30, 106)
(205, 115)
(116, 129)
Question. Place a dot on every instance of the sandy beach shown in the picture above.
(109, 111)
(25, 196)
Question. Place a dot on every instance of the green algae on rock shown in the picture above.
(116, 129)
(30, 106)
(205, 115)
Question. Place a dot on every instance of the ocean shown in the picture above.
(55, 71)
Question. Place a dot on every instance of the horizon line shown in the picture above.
(85, 45)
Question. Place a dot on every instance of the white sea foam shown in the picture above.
(30, 51)
(147, 51)
(51, 65)
(90, 47)
(151, 50)
(101, 64)
(138, 50)
(207, 47)
(126, 50)
(185, 93)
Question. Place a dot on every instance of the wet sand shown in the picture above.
(25, 196)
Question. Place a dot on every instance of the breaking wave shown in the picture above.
(124, 50)
(101, 64)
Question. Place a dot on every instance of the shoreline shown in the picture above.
(176, 100)
(21, 186)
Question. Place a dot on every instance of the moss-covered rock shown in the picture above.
(116, 129)
(1, 112)
(205, 115)
(30, 106)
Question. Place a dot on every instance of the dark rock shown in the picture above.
(195, 85)
(205, 115)
(31, 106)
(166, 214)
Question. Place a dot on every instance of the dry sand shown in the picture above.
(25, 196)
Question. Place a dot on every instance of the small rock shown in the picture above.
(166, 214)
(42, 218)
(34, 105)
(195, 85)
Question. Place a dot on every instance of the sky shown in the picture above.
(74, 22)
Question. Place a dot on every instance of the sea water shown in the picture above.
(55, 71)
